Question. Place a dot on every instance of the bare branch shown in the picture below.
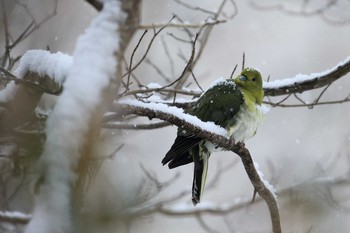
(308, 105)
(321, 10)
(130, 69)
(33, 26)
(233, 71)
(136, 126)
(182, 25)
(163, 89)
(6, 55)
(188, 64)
(157, 69)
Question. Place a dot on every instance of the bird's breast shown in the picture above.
(246, 123)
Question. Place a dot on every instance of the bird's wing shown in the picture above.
(219, 104)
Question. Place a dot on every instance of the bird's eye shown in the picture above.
(253, 79)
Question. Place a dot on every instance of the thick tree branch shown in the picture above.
(221, 141)
(320, 80)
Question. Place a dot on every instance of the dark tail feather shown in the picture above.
(199, 177)
(179, 150)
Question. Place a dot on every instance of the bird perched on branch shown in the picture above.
(233, 104)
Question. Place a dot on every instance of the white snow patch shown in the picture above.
(92, 71)
(14, 215)
(54, 65)
(154, 85)
(262, 108)
(208, 126)
(210, 20)
(203, 206)
(221, 81)
(157, 98)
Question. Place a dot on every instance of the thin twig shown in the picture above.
(196, 8)
(183, 92)
(33, 25)
(96, 4)
(6, 55)
(168, 55)
(311, 105)
(182, 25)
(188, 64)
(243, 61)
(157, 69)
(321, 11)
(130, 69)
(321, 94)
(112, 125)
(233, 71)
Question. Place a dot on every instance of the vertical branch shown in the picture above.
(74, 125)
(6, 55)
(126, 29)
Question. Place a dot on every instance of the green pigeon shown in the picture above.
(234, 104)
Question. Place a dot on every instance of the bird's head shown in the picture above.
(250, 82)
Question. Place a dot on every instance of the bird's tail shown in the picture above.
(199, 176)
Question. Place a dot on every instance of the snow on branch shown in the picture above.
(71, 130)
(178, 118)
(178, 113)
(302, 82)
(35, 70)
(14, 217)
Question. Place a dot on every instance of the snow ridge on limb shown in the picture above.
(208, 126)
(304, 82)
(70, 125)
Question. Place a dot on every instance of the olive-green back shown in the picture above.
(219, 104)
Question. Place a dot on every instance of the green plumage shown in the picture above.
(219, 104)
(226, 104)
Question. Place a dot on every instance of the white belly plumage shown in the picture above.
(247, 123)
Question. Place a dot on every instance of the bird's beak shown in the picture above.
(243, 78)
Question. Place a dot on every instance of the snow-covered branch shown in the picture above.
(38, 72)
(210, 132)
(302, 82)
